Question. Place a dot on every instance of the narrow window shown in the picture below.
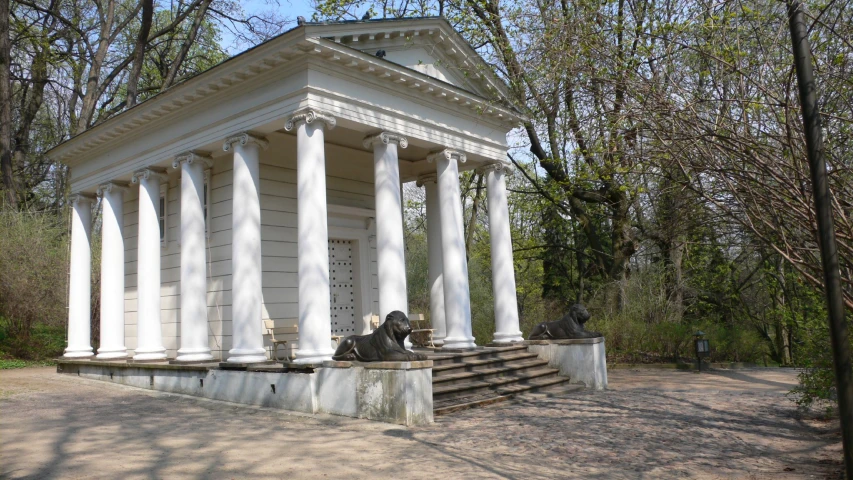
(207, 201)
(164, 196)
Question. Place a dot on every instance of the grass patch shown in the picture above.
(17, 363)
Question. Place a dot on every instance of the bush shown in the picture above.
(817, 377)
(650, 329)
(33, 283)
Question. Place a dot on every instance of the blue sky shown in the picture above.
(289, 9)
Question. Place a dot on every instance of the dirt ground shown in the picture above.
(650, 424)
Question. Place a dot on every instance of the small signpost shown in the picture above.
(703, 348)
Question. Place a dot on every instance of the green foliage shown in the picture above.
(33, 284)
(817, 376)
(648, 329)
(10, 364)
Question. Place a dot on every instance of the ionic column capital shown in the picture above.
(193, 157)
(386, 138)
(110, 186)
(81, 197)
(309, 115)
(427, 178)
(149, 173)
(447, 154)
(499, 167)
(244, 138)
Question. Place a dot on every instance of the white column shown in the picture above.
(436, 279)
(112, 271)
(315, 324)
(194, 340)
(80, 280)
(246, 296)
(390, 249)
(503, 272)
(457, 298)
(149, 336)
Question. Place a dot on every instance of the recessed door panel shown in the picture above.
(342, 287)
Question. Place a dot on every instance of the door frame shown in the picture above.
(339, 216)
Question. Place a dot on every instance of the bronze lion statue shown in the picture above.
(568, 327)
(385, 344)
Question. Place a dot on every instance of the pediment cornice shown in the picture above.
(278, 54)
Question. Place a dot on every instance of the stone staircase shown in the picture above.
(488, 375)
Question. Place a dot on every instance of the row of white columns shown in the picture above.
(450, 306)
(246, 263)
(450, 300)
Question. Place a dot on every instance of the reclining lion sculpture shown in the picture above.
(383, 345)
(568, 327)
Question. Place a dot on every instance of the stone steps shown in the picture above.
(508, 392)
(463, 380)
(464, 376)
(481, 353)
(472, 365)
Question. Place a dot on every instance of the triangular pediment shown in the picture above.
(426, 45)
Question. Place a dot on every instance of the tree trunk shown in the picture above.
(623, 248)
(6, 107)
(676, 297)
(472, 222)
(185, 48)
(31, 103)
(139, 52)
(581, 264)
(90, 98)
(782, 331)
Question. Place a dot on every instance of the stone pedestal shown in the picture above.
(582, 360)
(393, 392)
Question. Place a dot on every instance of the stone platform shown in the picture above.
(582, 360)
(406, 393)
(393, 392)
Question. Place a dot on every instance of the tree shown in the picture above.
(66, 65)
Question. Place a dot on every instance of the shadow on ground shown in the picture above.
(649, 425)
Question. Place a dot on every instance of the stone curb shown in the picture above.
(684, 366)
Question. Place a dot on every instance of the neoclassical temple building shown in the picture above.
(269, 188)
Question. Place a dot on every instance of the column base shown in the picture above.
(193, 355)
(247, 355)
(508, 337)
(112, 353)
(150, 354)
(459, 343)
(313, 356)
(78, 352)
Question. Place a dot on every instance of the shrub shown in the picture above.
(33, 282)
(650, 329)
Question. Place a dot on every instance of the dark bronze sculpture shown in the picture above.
(385, 344)
(568, 327)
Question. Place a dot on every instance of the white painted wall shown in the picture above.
(349, 182)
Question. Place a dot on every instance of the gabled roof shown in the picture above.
(468, 81)
(445, 45)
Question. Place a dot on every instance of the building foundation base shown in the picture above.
(392, 392)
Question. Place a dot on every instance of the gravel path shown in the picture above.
(650, 424)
